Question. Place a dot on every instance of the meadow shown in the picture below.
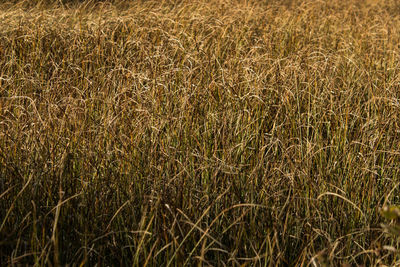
(199, 133)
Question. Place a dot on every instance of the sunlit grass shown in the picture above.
(198, 132)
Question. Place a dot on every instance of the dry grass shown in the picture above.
(199, 132)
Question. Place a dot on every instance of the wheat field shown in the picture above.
(199, 133)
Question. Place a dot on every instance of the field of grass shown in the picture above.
(207, 132)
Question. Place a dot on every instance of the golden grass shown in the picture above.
(199, 132)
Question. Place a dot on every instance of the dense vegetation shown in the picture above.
(214, 132)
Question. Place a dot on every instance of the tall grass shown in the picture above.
(199, 132)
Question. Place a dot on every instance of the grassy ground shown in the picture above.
(199, 132)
